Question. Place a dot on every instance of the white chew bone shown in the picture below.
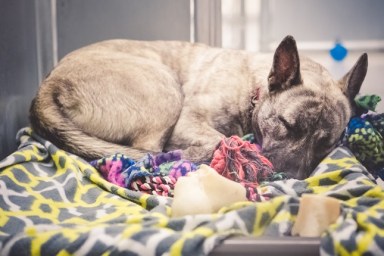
(315, 214)
(205, 191)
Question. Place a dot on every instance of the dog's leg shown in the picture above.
(195, 137)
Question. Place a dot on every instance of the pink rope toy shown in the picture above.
(241, 161)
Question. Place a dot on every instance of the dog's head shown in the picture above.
(303, 115)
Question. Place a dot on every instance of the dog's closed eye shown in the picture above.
(325, 142)
(285, 122)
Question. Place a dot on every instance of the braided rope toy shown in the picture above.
(241, 160)
(364, 135)
(153, 174)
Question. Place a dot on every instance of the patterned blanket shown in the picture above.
(54, 203)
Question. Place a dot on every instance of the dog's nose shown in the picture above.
(293, 166)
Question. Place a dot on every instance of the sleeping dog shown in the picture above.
(135, 97)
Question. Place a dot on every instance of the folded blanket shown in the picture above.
(54, 203)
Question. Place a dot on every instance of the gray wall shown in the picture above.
(86, 21)
(325, 20)
(18, 68)
(28, 47)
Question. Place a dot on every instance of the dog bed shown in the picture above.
(55, 203)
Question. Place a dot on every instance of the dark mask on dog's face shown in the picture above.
(305, 112)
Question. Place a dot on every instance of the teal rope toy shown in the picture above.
(364, 135)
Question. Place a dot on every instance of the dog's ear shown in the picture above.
(285, 70)
(350, 84)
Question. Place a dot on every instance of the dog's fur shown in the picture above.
(134, 97)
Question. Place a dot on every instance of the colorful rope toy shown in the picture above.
(364, 135)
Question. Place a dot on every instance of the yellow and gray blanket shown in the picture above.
(54, 203)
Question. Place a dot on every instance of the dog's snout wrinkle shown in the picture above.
(296, 162)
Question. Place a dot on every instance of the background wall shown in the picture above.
(87, 21)
(326, 20)
(18, 68)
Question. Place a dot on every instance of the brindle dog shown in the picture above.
(136, 97)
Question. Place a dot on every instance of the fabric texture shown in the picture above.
(55, 203)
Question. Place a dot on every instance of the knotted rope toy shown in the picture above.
(242, 161)
(364, 135)
(153, 174)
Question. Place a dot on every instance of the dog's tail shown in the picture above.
(49, 120)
